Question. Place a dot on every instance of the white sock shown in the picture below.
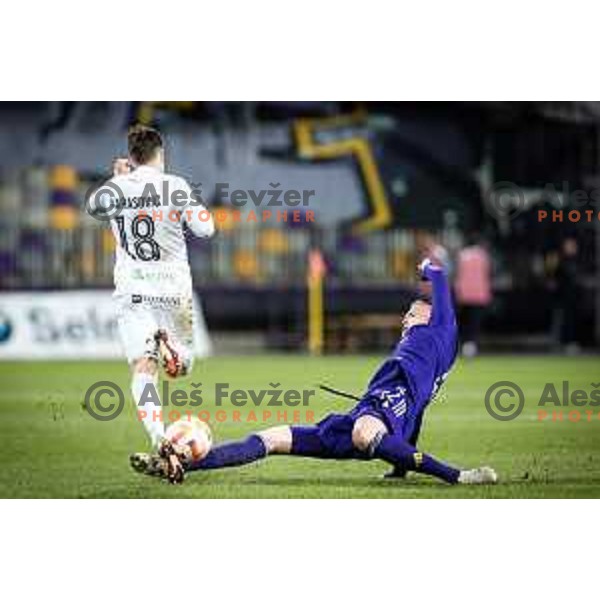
(152, 414)
(187, 359)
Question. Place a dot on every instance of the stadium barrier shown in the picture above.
(69, 325)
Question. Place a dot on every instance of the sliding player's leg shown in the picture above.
(337, 437)
(275, 440)
(371, 435)
(397, 471)
(330, 438)
(169, 464)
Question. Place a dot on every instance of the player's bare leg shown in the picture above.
(144, 389)
(168, 461)
(277, 440)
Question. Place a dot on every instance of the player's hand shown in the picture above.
(427, 265)
(120, 166)
(422, 267)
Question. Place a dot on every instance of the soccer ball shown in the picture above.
(196, 435)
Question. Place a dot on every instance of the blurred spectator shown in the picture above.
(566, 295)
(473, 286)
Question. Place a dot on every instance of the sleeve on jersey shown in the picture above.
(196, 216)
(443, 309)
(98, 202)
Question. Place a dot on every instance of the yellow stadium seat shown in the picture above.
(224, 219)
(246, 265)
(63, 177)
(64, 217)
(273, 241)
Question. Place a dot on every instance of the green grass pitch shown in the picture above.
(51, 447)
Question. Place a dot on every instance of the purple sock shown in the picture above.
(232, 454)
(395, 450)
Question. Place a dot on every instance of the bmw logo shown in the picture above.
(6, 328)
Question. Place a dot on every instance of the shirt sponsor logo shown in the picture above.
(166, 301)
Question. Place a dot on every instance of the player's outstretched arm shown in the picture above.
(443, 308)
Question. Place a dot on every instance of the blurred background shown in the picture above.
(388, 183)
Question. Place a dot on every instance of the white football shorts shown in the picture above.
(139, 316)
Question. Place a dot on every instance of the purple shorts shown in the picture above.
(332, 437)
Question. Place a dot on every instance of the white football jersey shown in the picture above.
(151, 254)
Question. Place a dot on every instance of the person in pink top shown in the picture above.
(473, 289)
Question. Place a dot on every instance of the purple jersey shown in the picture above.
(425, 354)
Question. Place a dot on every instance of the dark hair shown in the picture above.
(143, 143)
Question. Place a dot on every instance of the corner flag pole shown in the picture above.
(315, 279)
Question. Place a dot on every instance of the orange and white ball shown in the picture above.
(196, 434)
